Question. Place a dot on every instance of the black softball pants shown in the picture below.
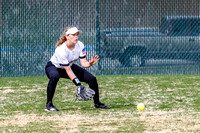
(54, 74)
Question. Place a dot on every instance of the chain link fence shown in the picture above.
(131, 37)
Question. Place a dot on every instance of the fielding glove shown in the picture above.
(84, 93)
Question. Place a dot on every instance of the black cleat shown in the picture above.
(50, 107)
(101, 105)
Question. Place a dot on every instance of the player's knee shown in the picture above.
(54, 77)
(93, 81)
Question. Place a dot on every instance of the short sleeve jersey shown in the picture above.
(65, 57)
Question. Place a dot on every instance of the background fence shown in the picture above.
(30, 29)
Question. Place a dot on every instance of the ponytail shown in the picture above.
(61, 41)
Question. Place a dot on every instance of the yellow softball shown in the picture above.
(140, 106)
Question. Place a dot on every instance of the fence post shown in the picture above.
(98, 36)
(1, 75)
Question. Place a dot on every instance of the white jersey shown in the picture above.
(63, 56)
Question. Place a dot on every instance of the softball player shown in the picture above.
(61, 65)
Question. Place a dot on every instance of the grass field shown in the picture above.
(172, 104)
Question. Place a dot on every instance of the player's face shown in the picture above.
(73, 38)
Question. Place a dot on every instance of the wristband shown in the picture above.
(76, 81)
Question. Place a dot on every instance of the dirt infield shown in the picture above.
(155, 121)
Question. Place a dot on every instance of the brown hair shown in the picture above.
(62, 37)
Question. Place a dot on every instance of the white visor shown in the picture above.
(73, 31)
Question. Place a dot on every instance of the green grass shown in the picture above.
(172, 104)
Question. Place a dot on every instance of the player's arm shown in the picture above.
(72, 76)
(86, 64)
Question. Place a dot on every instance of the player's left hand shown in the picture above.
(94, 60)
